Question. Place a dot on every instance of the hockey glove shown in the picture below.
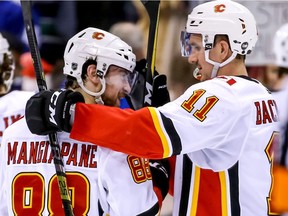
(48, 111)
(160, 176)
(160, 95)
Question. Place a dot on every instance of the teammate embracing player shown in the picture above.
(221, 129)
(100, 67)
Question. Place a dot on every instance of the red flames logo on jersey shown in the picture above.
(98, 35)
(219, 8)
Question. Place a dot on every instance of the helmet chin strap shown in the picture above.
(97, 95)
(217, 65)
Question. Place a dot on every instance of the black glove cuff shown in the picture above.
(160, 175)
(160, 94)
(72, 98)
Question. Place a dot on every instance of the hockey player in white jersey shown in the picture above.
(221, 129)
(280, 92)
(12, 104)
(100, 66)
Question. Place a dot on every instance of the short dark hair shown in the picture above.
(282, 71)
(71, 82)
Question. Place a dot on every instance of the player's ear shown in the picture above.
(224, 50)
(92, 73)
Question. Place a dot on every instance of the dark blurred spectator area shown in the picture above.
(57, 21)
(60, 20)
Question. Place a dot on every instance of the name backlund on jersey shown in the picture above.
(81, 155)
(266, 112)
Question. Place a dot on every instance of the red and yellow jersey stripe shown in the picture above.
(94, 123)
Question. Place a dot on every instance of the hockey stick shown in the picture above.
(41, 82)
(153, 9)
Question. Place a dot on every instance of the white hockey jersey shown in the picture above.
(222, 131)
(100, 182)
(281, 98)
(225, 168)
(12, 107)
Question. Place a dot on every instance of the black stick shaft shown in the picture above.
(41, 82)
(153, 9)
(27, 15)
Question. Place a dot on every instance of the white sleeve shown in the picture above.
(125, 190)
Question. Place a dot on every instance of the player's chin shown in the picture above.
(203, 78)
(112, 102)
(117, 103)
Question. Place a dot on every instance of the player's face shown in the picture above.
(197, 57)
(117, 86)
(271, 77)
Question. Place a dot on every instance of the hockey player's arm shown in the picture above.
(119, 130)
(105, 126)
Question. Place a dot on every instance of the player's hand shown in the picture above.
(48, 111)
(160, 95)
(160, 175)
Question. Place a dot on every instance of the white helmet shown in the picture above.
(103, 47)
(6, 64)
(281, 46)
(224, 17)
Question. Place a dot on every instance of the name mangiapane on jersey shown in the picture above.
(40, 152)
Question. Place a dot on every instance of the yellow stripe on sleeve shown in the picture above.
(160, 132)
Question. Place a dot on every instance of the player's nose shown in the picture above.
(192, 59)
